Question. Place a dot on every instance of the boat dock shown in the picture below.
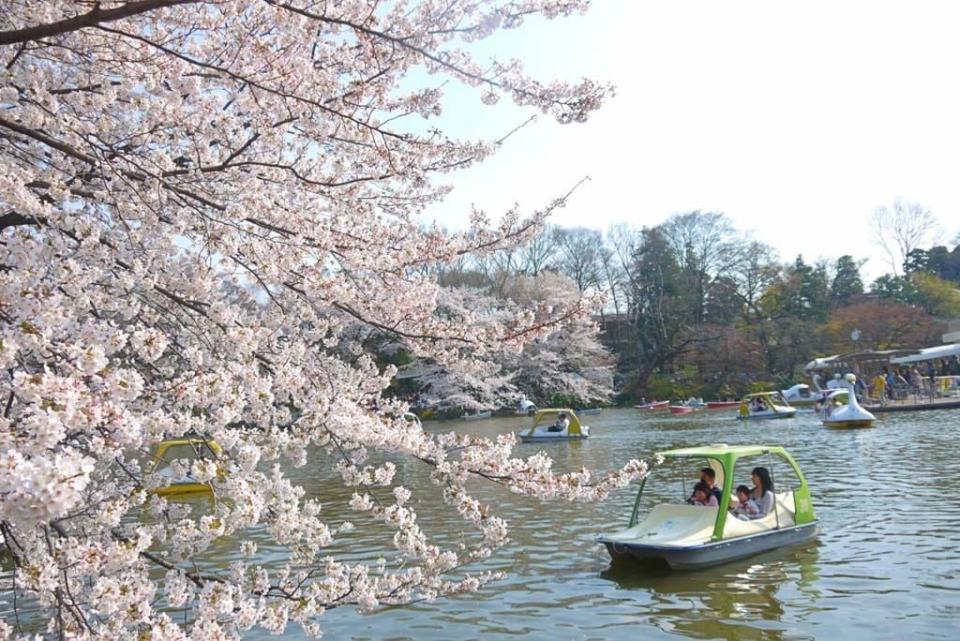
(915, 405)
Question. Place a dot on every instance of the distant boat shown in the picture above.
(765, 405)
(655, 405)
(841, 409)
(589, 411)
(476, 417)
(722, 405)
(547, 426)
(681, 409)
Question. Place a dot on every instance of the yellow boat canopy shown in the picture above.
(189, 448)
(550, 415)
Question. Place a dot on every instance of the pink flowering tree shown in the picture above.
(196, 197)
(569, 362)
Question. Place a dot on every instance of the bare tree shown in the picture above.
(706, 245)
(900, 229)
(538, 254)
(579, 255)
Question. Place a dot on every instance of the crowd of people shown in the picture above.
(898, 382)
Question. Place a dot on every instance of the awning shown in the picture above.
(929, 354)
(821, 363)
(861, 358)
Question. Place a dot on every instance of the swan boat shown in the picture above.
(688, 537)
(802, 395)
(525, 407)
(765, 405)
(546, 419)
(842, 410)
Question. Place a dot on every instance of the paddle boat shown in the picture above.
(526, 407)
(764, 405)
(476, 417)
(189, 449)
(688, 537)
(801, 395)
(692, 404)
(546, 423)
(654, 405)
(722, 405)
(589, 411)
(841, 409)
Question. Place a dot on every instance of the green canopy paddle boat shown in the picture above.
(693, 536)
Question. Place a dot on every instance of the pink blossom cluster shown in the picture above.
(200, 200)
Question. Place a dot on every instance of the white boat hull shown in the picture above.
(700, 556)
(546, 435)
(768, 415)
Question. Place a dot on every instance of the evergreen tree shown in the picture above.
(846, 282)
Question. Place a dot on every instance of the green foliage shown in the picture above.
(846, 282)
(920, 289)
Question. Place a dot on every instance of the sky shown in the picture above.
(796, 120)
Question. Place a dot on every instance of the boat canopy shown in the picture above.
(190, 447)
(928, 354)
(763, 395)
(550, 415)
(726, 456)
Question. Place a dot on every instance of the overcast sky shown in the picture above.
(796, 120)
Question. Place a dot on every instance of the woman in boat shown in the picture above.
(762, 491)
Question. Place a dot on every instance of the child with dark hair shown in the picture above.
(747, 508)
(703, 496)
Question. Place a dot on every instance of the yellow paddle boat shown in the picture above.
(555, 424)
(190, 449)
(765, 405)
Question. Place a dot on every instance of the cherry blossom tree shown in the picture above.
(568, 362)
(197, 196)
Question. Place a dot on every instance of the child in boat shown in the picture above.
(747, 508)
(703, 496)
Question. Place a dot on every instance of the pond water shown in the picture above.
(886, 564)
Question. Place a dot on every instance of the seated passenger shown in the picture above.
(562, 423)
(762, 491)
(746, 508)
(703, 496)
(707, 477)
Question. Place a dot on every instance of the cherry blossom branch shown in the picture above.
(89, 19)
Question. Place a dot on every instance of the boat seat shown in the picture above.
(786, 510)
(667, 524)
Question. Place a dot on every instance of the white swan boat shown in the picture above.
(841, 409)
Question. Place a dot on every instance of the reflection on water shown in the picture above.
(886, 564)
